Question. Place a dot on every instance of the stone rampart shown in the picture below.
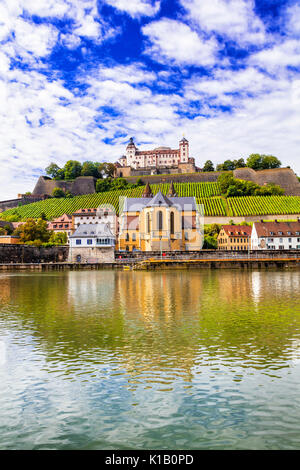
(79, 186)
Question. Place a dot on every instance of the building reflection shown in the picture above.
(157, 324)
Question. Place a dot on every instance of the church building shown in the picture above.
(160, 223)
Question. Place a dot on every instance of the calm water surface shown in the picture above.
(150, 360)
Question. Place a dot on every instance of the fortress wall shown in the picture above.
(177, 178)
(79, 186)
(284, 177)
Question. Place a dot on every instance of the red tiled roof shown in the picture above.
(237, 230)
(277, 229)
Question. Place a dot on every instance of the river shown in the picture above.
(206, 359)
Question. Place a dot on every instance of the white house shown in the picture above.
(92, 243)
(276, 235)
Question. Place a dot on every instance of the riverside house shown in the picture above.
(235, 238)
(276, 235)
(92, 243)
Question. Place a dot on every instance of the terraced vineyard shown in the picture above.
(263, 205)
(207, 194)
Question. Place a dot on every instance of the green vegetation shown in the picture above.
(255, 161)
(115, 184)
(211, 233)
(35, 232)
(207, 194)
(72, 169)
(262, 162)
(232, 187)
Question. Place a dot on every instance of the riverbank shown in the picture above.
(228, 262)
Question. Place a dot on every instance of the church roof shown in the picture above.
(160, 200)
(136, 204)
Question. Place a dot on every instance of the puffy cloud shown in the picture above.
(136, 8)
(278, 56)
(235, 19)
(176, 42)
(292, 20)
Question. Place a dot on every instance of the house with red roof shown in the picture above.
(235, 238)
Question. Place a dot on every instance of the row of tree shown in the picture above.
(255, 161)
(72, 169)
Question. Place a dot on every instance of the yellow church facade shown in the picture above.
(160, 223)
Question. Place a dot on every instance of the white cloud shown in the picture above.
(235, 19)
(292, 20)
(136, 8)
(36, 39)
(174, 41)
(278, 56)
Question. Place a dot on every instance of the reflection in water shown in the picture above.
(184, 359)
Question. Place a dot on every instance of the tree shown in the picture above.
(228, 165)
(35, 232)
(52, 170)
(257, 161)
(72, 169)
(208, 166)
(58, 238)
(110, 170)
(58, 192)
(90, 169)
(210, 243)
(240, 163)
(225, 180)
(269, 161)
(103, 185)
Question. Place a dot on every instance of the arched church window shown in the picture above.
(172, 223)
(148, 222)
(160, 220)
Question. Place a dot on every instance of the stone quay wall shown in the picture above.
(32, 254)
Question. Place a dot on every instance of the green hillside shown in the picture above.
(208, 194)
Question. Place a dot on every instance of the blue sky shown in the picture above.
(79, 77)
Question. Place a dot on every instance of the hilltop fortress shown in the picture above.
(161, 160)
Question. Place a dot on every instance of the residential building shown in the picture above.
(102, 214)
(160, 223)
(92, 243)
(234, 238)
(276, 235)
(61, 224)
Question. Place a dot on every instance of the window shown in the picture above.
(78, 242)
(160, 220)
(148, 222)
(89, 241)
(127, 237)
(172, 223)
(133, 237)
